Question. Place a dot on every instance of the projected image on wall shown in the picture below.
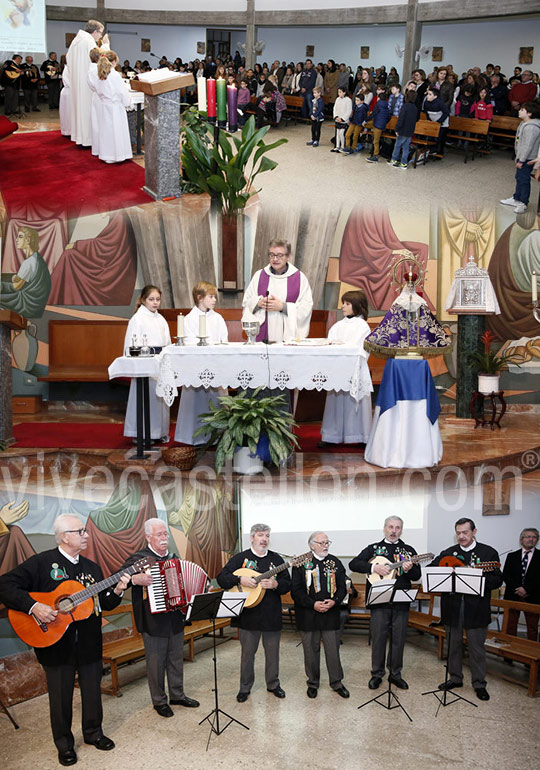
(22, 26)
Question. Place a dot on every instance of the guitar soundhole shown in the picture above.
(65, 605)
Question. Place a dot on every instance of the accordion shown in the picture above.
(174, 583)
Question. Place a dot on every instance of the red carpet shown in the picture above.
(45, 174)
(106, 435)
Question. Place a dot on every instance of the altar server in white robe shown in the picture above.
(345, 421)
(279, 297)
(195, 401)
(65, 104)
(114, 142)
(78, 61)
(95, 54)
(148, 323)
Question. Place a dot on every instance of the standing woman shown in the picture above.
(147, 322)
(331, 82)
(114, 140)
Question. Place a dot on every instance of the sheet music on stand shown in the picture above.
(461, 580)
(225, 604)
(384, 591)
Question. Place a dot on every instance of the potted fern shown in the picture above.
(249, 430)
(490, 365)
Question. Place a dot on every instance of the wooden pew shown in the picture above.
(82, 350)
(129, 649)
(516, 647)
(426, 134)
(502, 130)
(471, 132)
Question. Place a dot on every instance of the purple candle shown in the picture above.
(232, 107)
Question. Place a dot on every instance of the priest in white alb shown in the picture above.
(279, 297)
(78, 61)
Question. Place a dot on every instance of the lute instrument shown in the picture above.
(453, 561)
(374, 577)
(255, 595)
(72, 600)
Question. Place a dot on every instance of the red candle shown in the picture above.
(211, 98)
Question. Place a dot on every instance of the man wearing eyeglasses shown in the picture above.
(318, 588)
(80, 648)
(384, 616)
(279, 297)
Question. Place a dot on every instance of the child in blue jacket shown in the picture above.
(380, 117)
(358, 120)
(317, 117)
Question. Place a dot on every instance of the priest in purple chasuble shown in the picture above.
(279, 297)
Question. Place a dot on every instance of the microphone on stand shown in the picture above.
(265, 341)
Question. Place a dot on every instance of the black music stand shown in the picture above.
(448, 580)
(210, 606)
(4, 708)
(386, 592)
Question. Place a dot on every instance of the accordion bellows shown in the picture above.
(175, 583)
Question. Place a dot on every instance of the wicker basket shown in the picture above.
(181, 457)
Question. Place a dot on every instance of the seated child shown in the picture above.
(345, 421)
(356, 126)
(194, 401)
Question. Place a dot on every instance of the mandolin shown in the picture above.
(395, 565)
(255, 595)
(453, 561)
(73, 602)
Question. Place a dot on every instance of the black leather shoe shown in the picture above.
(242, 697)
(482, 693)
(189, 703)
(103, 743)
(164, 710)
(342, 691)
(67, 757)
(312, 692)
(399, 682)
(450, 685)
(374, 682)
(278, 692)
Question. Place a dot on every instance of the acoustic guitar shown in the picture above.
(374, 577)
(73, 602)
(453, 561)
(255, 595)
(13, 74)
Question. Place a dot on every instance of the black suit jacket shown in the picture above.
(512, 577)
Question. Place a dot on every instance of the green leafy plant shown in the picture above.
(250, 421)
(489, 362)
(227, 169)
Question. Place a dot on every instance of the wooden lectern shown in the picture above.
(162, 133)
(8, 321)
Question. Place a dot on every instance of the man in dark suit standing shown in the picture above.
(521, 575)
(470, 612)
(318, 588)
(162, 633)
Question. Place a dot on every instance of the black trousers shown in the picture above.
(11, 100)
(53, 91)
(61, 683)
(315, 130)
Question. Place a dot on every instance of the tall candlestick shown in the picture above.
(534, 287)
(232, 107)
(180, 325)
(221, 88)
(211, 99)
(201, 94)
(202, 325)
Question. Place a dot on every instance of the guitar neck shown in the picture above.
(273, 572)
(413, 560)
(87, 593)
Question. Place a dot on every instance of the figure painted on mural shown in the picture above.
(28, 290)
(515, 257)
(14, 545)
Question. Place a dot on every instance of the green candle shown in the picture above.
(221, 88)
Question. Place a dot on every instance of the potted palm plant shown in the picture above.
(490, 365)
(249, 430)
